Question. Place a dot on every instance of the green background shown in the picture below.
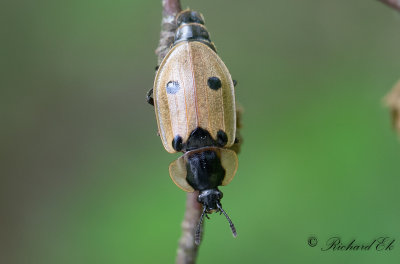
(85, 177)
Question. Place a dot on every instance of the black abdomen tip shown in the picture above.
(191, 28)
(189, 16)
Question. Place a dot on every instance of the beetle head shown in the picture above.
(210, 199)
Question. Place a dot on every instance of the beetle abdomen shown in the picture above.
(191, 28)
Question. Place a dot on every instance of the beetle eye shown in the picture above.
(214, 83)
(172, 87)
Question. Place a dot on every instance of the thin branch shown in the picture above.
(392, 101)
(171, 7)
(187, 249)
(168, 27)
(392, 3)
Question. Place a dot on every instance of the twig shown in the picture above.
(187, 249)
(392, 101)
(392, 3)
(168, 27)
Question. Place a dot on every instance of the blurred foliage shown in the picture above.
(85, 177)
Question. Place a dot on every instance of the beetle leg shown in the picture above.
(149, 97)
(234, 83)
(156, 68)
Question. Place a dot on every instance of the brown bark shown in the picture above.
(392, 101)
(168, 27)
(392, 3)
(187, 249)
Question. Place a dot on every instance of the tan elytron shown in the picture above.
(195, 104)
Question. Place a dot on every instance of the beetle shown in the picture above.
(194, 102)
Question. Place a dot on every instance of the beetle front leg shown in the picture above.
(234, 83)
(149, 97)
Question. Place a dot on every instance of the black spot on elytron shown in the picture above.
(222, 138)
(172, 87)
(214, 83)
(177, 143)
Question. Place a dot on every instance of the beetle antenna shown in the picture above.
(229, 220)
(197, 235)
